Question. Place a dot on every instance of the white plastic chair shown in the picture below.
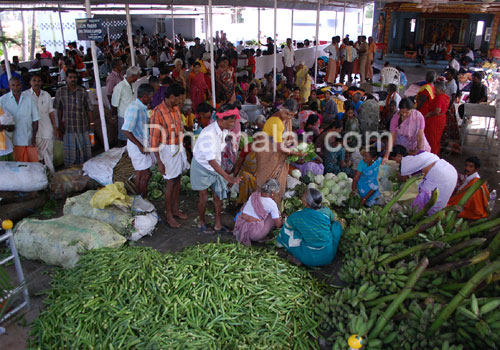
(139, 82)
(390, 75)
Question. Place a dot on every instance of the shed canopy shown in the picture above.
(152, 4)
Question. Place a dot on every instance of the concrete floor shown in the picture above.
(166, 239)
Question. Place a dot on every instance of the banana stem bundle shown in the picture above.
(413, 295)
(387, 315)
(420, 214)
(469, 287)
(394, 199)
(474, 242)
(417, 248)
(484, 255)
(473, 230)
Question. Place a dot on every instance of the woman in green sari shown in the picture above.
(312, 234)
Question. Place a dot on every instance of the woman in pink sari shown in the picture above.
(197, 85)
(407, 129)
(259, 215)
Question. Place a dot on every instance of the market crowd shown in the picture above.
(174, 100)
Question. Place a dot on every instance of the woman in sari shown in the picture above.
(365, 181)
(274, 148)
(407, 129)
(197, 85)
(435, 119)
(225, 79)
(178, 74)
(245, 169)
(259, 215)
(426, 93)
(372, 49)
(303, 81)
(312, 234)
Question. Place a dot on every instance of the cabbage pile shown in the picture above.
(304, 147)
(335, 189)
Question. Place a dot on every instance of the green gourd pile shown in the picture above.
(211, 296)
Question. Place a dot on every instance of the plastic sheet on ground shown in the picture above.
(24, 177)
(100, 168)
(61, 241)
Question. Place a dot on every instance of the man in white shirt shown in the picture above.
(288, 62)
(333, 57)
(206, 169)
(47, 128)
(123, 96)
(454, 63)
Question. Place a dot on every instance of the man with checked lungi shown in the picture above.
(73, 108)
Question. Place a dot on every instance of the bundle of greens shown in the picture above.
(304, 147)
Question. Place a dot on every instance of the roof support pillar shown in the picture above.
(317, 44)
(173, 26)
(343, 23)
(275, 43)
(5, 53)
(205, 24)
(363, 22)
(212, 64)
(98, 84)
(62, 28)
(129, 35)
(258, 27)
(291, 28)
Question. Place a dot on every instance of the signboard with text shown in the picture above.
(89, 29)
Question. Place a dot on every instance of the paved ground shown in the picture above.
(171, 240)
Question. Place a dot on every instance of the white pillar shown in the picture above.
(5, 53)
(363, 22)
(336, 23)
(275, 49)
(258, 26)
(173, 27)
(62, 29)
(129, 35)
(317, 44)
(291, 29)
(343, 23)
(207, 43)
(212, 64)
(108, 23)
(98, 84)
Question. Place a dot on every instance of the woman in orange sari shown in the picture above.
(426, 93)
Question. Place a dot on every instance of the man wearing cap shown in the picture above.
(45, 53)
(167, 145)
(196, 51)
(206, 169)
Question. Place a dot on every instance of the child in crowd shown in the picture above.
(187, 115)
(336, 159)
(365, 181)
